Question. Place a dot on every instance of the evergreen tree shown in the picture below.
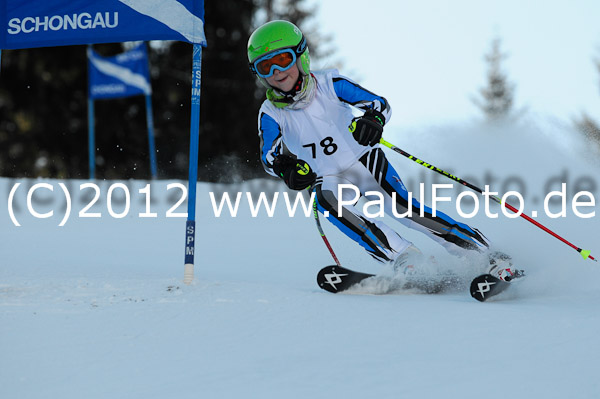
(497, 97)
(43, 112)
(587, 125)
(590, 129)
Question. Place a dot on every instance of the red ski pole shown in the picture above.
(583, 252)
(325, 240)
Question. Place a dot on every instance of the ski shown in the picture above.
(336, 279)
(486, 286)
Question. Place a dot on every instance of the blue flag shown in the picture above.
(44, 23)
(123, 75)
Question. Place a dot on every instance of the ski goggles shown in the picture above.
(282, 60)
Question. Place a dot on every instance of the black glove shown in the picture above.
(367, 129)
(296, 173)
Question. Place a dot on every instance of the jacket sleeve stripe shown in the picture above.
(270, 140)
(356, 95)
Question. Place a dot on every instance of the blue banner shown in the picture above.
(44, 23)
(123, 75)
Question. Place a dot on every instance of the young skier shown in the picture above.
(309, 138)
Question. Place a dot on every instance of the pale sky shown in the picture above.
(426, 57)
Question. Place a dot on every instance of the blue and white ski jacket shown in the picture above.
(319, 133)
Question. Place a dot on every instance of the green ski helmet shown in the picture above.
(277, 35)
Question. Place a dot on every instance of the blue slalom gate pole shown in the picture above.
(151, 146)
(91, 126)
(190, 226)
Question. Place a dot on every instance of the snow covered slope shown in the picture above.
(97, 308)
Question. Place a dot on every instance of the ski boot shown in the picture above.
(501, 267)
(405, 263)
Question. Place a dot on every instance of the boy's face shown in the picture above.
(284, 81)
